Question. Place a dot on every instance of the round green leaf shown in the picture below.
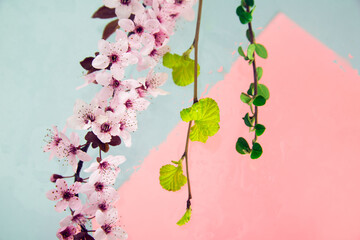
(242, 146)
(261, 50)
(259, 129)
(244, 16)
(250, 91)
(206, 115)
(250, 3)
(250, 51)
(263, 91)
(259, 73)
(241, 51)
(259, 101)
(172, 177)
(248, 35)
(247, 120)
(256, 151)
(245, 98)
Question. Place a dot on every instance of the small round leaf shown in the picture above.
(259, 129)
(256, 151)
(259, 73)
(245, 98)
(261, 50)
(242, 146)
(263, 91)
(259, 101)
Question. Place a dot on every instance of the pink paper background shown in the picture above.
(306, 184)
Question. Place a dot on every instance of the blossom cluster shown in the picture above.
(143, 31)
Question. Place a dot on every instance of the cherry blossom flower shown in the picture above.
(130, 101)
(66, 194)
(128, 123)
(184, 8)
(72, 150)
(112, 86)
(98, 188)
(163, 13)
(153, 81)
(104, 203)
(77, 218)
(141, 30)
(123, 8)
(55, 143)
(108, 229)
(107, 169)
(152, 58)
(66, 233)
(104, 129)
(115, 53)
(84, 115)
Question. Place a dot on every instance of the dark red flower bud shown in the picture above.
(55, 177)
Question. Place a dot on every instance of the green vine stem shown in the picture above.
(195, 44)
(258, 94)
(252, 41)
(203, 117)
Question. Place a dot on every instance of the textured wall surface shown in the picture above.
(305, 186)
(305, 181)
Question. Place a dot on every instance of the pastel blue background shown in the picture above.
(41, 44)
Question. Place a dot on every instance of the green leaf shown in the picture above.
(206, 115)
(261, 50)
(172, 177)
(250, 51)
(256, 151)
(247, 120)
(245, 98)
(250, 3)
(248, 35)
(242, 146)
(244, 16)
(183, 68)
(171, 60)
(263, 91)
(241, 51)
(259, 73)
(250, 91)
(259, 129)
(259, 101)
(185, 218)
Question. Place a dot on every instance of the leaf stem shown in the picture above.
(252, 41)
(185, 155)
(196, 43)
(195, 100)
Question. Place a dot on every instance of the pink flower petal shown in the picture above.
(103, 78)
(152, 25)
(75, 203)
(127, 25)
(100, 217)
(61, 205)
(104, 47)
(92, 167)
(111, 3)
(119, 233)
(100, 62)
(61, 185)
(83, 156)
(99, 234)
(53, 195)
(117, 71)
